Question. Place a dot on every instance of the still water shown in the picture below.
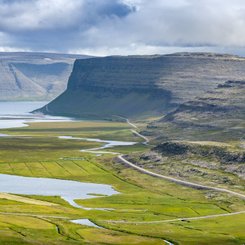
(67, 189)
(20, 108)
(17, 114)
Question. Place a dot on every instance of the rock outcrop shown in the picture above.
(226, 101)
(220, 153)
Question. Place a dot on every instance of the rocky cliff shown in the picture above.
(135, 86)
(34, 76)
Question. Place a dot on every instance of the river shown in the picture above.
(17, 114)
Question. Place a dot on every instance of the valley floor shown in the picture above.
(147, 210)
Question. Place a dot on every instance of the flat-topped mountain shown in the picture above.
(34, 76)
(135, 86)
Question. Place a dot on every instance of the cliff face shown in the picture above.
(137, 86)
(34, 76)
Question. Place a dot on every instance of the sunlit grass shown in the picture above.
(141, 198)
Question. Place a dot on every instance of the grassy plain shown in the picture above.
(36, 151)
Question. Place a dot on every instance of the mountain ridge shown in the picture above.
(34, 76)
(104, 86)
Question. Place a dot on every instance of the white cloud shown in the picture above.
(113, 26)
(40, 14)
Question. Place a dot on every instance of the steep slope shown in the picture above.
(136, 86)
(34, 76)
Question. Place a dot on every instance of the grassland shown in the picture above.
(36, 151)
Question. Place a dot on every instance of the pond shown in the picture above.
(17, 114)
(67, 189)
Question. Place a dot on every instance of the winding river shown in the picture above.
(66, 189)
(16, 114)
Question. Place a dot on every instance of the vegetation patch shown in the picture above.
(141, 198)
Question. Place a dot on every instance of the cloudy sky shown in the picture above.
(109, 27)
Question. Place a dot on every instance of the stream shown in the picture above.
(16, 114)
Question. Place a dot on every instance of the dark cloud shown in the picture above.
(55, 24)
(35, 15)
(122, 26)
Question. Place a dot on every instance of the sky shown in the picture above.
(123, 27)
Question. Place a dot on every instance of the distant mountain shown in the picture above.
(34, 76)
(139, 86)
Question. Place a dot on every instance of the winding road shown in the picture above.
(174, 220)
(177, 181)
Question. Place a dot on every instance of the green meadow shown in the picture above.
(143, 212)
